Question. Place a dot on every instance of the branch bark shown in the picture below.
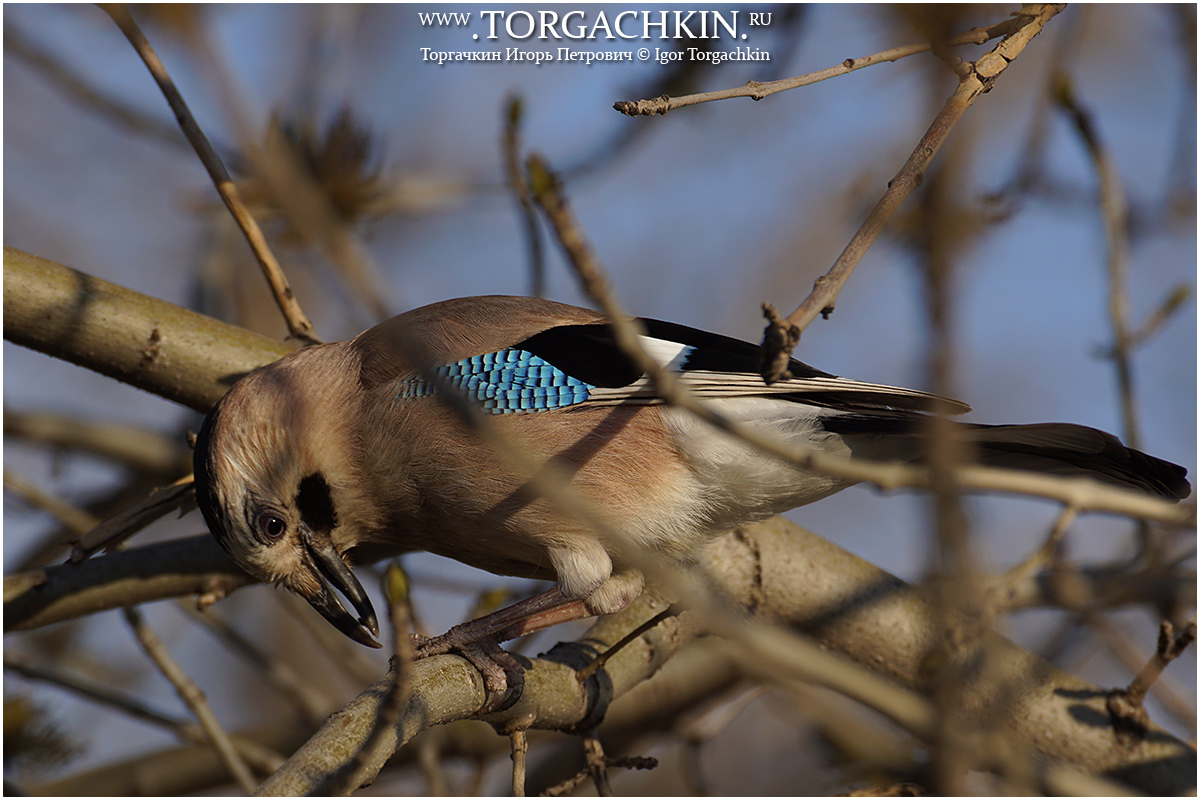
(196, 565)
(140, 340)
(785, 573)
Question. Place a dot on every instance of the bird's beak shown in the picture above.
(335, 574)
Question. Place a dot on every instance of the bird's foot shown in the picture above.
(503, 675)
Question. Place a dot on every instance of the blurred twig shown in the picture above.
(78, 88)
(126, 704)
(75, 519)
(511, 148)
(700, 725)
(1114, 210)
(263, 758)
(377, 747)
(1161, 314)
(310, 701)
(952, 571)
(128, 445)
(298, 324)
(349, 658)
(313, 196)
(1006, 587)
(191, 695)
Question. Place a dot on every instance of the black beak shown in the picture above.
(334, 574)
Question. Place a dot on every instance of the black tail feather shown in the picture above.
(1057, 448)
(1065, 449)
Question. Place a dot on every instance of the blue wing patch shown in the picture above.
(506, 382)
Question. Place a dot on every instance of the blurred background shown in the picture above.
(699, 216)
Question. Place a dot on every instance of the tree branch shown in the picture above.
(784, 573)
(298, 324)
(757, 90)
(158, 346)
(975, 79)
(196, 565)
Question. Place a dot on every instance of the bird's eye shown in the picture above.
(271, 525)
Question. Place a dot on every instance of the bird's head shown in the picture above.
(265, 489)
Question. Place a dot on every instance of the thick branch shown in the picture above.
(149, 343)
(140, 575)
(785, 573)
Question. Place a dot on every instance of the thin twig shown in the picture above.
(974, 80)
(298, 324)
(263, 758)
(180, 496)
(1126, 706)
(1165, 690)
(511, 147)
(599, 661)
(194, 698)
(1170, 646)
(1114, 209)
(593, 753)
(310, 702)
(73, 518)
(567, 786)
(757, 90)
(520, 748)
(354, 772)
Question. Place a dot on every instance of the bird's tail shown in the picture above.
(1064, 449)
(1057, 448)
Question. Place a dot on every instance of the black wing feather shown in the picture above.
(590, 352)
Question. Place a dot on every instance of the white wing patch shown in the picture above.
(671, 355)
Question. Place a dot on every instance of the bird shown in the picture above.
(346, 453)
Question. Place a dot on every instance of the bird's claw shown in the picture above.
(503, 675)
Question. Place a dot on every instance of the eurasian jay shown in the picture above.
(343, 453)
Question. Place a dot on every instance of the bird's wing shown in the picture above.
(577, 364)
